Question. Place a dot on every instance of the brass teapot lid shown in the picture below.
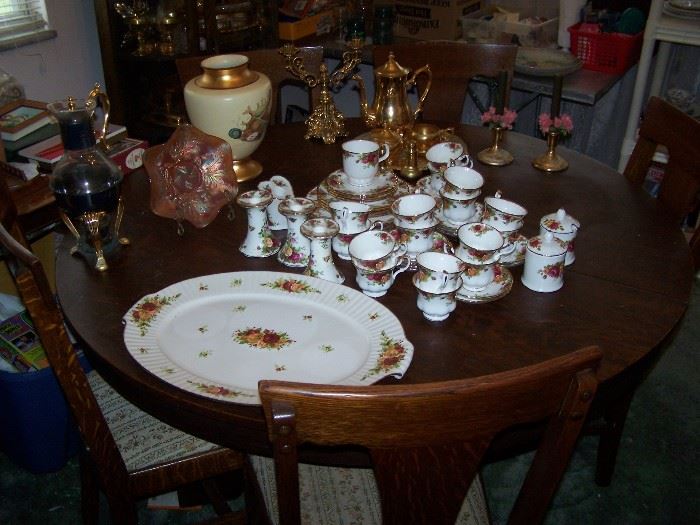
(392, 69)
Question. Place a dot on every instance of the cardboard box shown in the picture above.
(432, 19)
(128, 154)
(20, 345)
(489, 24)
(316, 24)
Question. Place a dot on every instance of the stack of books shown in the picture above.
(23, 123)
(30, 133)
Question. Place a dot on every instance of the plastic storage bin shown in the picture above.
(612, 53)
(37, 431)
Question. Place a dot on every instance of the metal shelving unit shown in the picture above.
(667, 30)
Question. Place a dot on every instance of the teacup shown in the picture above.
(414, 211)
(456, 208)
(502, 213)
(417, 240)
(463, 182)
(481, 244)
(341, 242)
(439, 271)
(543, 270)
(361, 160)
(564, 227)
(476, 277)
(352, 217)
(436, 306)
(375, 250)
(375, 283)
(442, 155)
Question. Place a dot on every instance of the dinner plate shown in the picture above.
(218, 335)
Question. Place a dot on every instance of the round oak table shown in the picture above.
(626, 291)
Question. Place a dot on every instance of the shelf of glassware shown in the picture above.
(667, 30)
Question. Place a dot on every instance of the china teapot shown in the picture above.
(390, 109)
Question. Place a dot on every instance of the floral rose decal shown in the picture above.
(262, 338)
(145, 312)
(392, 354)
(291, 286)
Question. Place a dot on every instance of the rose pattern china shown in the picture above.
(361, 160)
(280, 189)
(320, 232)
(375, 283)
(496, 289)
(296, 247)
(259, 241)
(435, 306)
(218, 335)
(544, 263)
(563, 227)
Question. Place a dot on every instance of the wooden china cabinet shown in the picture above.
(141, 39)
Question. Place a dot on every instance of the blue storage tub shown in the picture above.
(37, 431)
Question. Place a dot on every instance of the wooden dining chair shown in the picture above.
(426, 443)
(271, 63)
(453, 66)
(679, 193)
(128, 454)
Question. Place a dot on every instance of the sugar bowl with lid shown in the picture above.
(563, 227)
(543, 270)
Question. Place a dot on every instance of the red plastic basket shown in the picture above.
(612, 53)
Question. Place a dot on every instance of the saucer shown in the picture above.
(450, 228)
(424, 186)
(498, 288)
(340, 186)
(380, 209)
(517, 256)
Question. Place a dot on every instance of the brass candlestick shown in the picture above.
(495, 155)
(550, 161)
(326, 121)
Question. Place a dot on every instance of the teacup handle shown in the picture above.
(343, 219)
(506, 250)
(466, 161)
(443, 280)
(376, 225)
(400, 249)
(402, 266)
(385, 154)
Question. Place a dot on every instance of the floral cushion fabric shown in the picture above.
(142, 439)
(347, 496)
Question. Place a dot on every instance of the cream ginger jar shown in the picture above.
(234, 103)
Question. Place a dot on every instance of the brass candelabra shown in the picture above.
(326, 122)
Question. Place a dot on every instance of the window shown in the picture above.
(23, 22)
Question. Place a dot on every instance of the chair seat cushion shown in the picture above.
(142, 439)
(347, 496)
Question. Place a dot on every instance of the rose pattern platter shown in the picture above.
(218, 335)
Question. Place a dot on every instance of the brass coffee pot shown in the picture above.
(390, 109)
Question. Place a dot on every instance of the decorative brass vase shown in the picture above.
(550, 161)
(495, 155)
